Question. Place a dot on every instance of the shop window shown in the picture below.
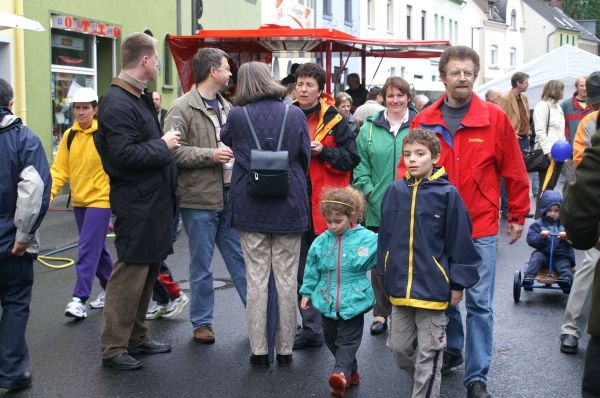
(72, 49)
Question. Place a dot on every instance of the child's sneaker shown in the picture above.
(565, 285)
(98, 302)
(338, 383)
(76, 309)
(156, 311)
(528, 280)
(176, 306)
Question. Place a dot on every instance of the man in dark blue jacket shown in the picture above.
(25, 191)
(143, 179)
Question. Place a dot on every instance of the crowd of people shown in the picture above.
(373, 181)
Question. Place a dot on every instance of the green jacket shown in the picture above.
(580, 215)
(200, 179)
(380, 153)
(335, 277)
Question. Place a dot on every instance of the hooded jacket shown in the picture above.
(482, 149)
(380, 152)
(25, 184)
(561, 248)
(424, 246)
(81, 165)
(333, 166)
(335, 277)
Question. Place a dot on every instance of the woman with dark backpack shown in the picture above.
(270, 217)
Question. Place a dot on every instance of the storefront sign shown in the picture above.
(87, 26)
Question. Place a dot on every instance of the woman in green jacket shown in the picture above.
(379, 146)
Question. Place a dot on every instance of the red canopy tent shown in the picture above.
(245, 45)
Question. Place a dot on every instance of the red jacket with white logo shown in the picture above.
(483, 148)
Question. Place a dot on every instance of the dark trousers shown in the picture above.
(591, 382)
(383, 306)
(311, 318)
(128, 294)
(16, 280)
(539, 260)
(343, 337)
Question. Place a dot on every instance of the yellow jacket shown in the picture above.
(81, 165)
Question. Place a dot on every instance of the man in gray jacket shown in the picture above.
(205, 166)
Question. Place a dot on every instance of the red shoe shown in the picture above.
(353, 380)
(338, 383)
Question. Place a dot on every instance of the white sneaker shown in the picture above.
(156, 311)
(176, 306)
(99, 301)
(76, 309)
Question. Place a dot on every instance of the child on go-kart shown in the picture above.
(539, 237)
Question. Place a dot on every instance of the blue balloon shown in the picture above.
(561, 151)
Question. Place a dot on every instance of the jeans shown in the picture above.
(480, 317)
(205, 228)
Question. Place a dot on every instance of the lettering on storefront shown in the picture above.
(86, 26)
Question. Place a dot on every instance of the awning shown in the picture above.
(259, 45)
(8, 21)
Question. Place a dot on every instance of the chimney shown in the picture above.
(556, 3)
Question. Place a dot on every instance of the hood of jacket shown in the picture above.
(379, 119)
(550, 198)
(7, 119)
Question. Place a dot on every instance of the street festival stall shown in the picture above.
(244, 45)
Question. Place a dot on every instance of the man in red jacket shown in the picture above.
(478, 146)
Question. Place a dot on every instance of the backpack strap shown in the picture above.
(70, 137)
(282, 131)
(251, 128)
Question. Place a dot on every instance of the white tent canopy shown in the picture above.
(565, 63)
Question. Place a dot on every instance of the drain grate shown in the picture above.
(218, 284)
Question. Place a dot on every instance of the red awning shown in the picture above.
(245, 45)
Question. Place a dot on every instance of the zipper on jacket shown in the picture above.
(339, 275)
(441, 269)
(411, 237)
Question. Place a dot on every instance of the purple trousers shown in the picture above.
(94, 258)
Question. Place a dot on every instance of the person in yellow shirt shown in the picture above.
(77, 160)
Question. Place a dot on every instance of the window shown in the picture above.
(371, 13)
(512, 57)
(494, 55)
(167, 78)
(408, 24)
(442, 34)
(561, 39)
(449, 29)
(436, 27)
(423, 18)
(402, 71)
(513, 19)
(455, 32)
(390, 16)
(393, 71)
(327, 8)
(348, 11)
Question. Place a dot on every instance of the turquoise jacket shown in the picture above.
(335, 277)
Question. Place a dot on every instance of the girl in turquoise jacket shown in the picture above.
(335, 281)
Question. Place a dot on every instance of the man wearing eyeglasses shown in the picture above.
(478, 146)
(205, 165)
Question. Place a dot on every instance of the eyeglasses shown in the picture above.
(227, 68)
(457, 73)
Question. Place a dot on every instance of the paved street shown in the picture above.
(65, 357)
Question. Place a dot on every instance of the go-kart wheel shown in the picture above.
(517, 286)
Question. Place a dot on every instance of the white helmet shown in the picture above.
(85, 94)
